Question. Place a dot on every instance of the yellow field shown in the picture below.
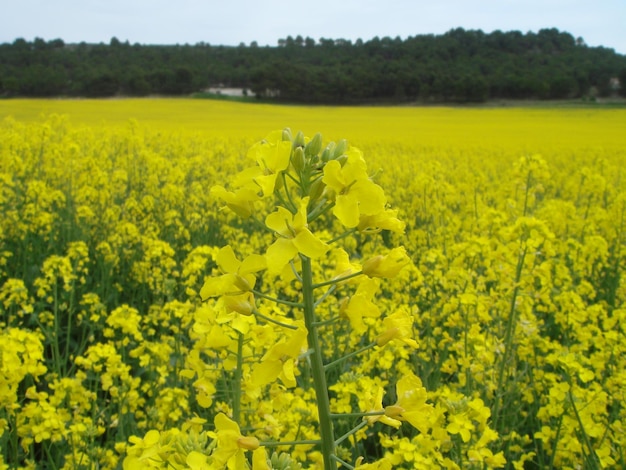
(176, 294)
(517, 128)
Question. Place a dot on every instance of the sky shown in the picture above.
(231, 22)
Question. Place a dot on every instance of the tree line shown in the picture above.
(458, 66)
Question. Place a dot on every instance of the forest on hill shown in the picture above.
(458, 66)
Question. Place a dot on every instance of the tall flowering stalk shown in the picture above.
(313, 198)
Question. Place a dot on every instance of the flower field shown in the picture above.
(189, 284)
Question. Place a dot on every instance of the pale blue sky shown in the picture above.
(598, 22)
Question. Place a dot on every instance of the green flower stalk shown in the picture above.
(304, 189)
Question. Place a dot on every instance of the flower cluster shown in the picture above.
(153, 308)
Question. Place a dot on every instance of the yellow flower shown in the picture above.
(279, 360)
(259, 460)
(388, 265)
(360, 305)
(486, 456)
(355, 193)
(272, 156)
(382, 464)
(294, 237)
(241, 201)
(383, 220)
(460, 424)
(197, 461)
(374, 403)
(399, 325)
(242, 304)
(231, 444)
(411, 405)
(144, 451)
(238, 275)
(205, 389)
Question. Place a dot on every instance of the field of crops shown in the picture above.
(185, 284)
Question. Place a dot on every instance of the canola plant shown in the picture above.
(443, 289)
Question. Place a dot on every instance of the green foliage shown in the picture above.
(458, 66)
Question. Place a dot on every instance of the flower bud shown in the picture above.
(242, 304)
(298, 140)
(340, 149)
(370, 266)
(342, 159)
(297, 159)
(393, 411)
(386, 266)
(248, 443)
(316, 190)
(328, 152)
(387, 336)
(314, 146)
(287, 134)
(242, 283)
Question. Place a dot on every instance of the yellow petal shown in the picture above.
(220, 285)
(347, 210)
(309, 245)
(279, 254)
(224, 423)
(287, 376)
(265, 372)
(226, 260)
(196, 460)
(371, 197)
(280, 221)
(387, 266)
(299, 221)
(386, 220)
(333, 176)
(252, 264)
(259, 459)
(267, 183)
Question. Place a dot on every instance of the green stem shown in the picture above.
(343, 463)
(508, 340)
(289, 443)
(556, 442)
(361, 425)
(336, 280)
(318, 212)
(357, 415)
(275, 322)
(325, 295)
(292, 206)
(592, 453)
(528, 181)
(295, 271)
(57, 332)
(275, 300)
(327, 322)
(348, 356)
(68, 335)
(237, 385)
(342, 236)
(317, 366)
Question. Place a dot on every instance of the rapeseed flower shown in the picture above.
(398, 326)
(388, 265)
(360, 305)
(294, 236)
(238, 275)
(231, 444)
(411, 404)
(355, 194)
(272, 156)
(279, 361)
